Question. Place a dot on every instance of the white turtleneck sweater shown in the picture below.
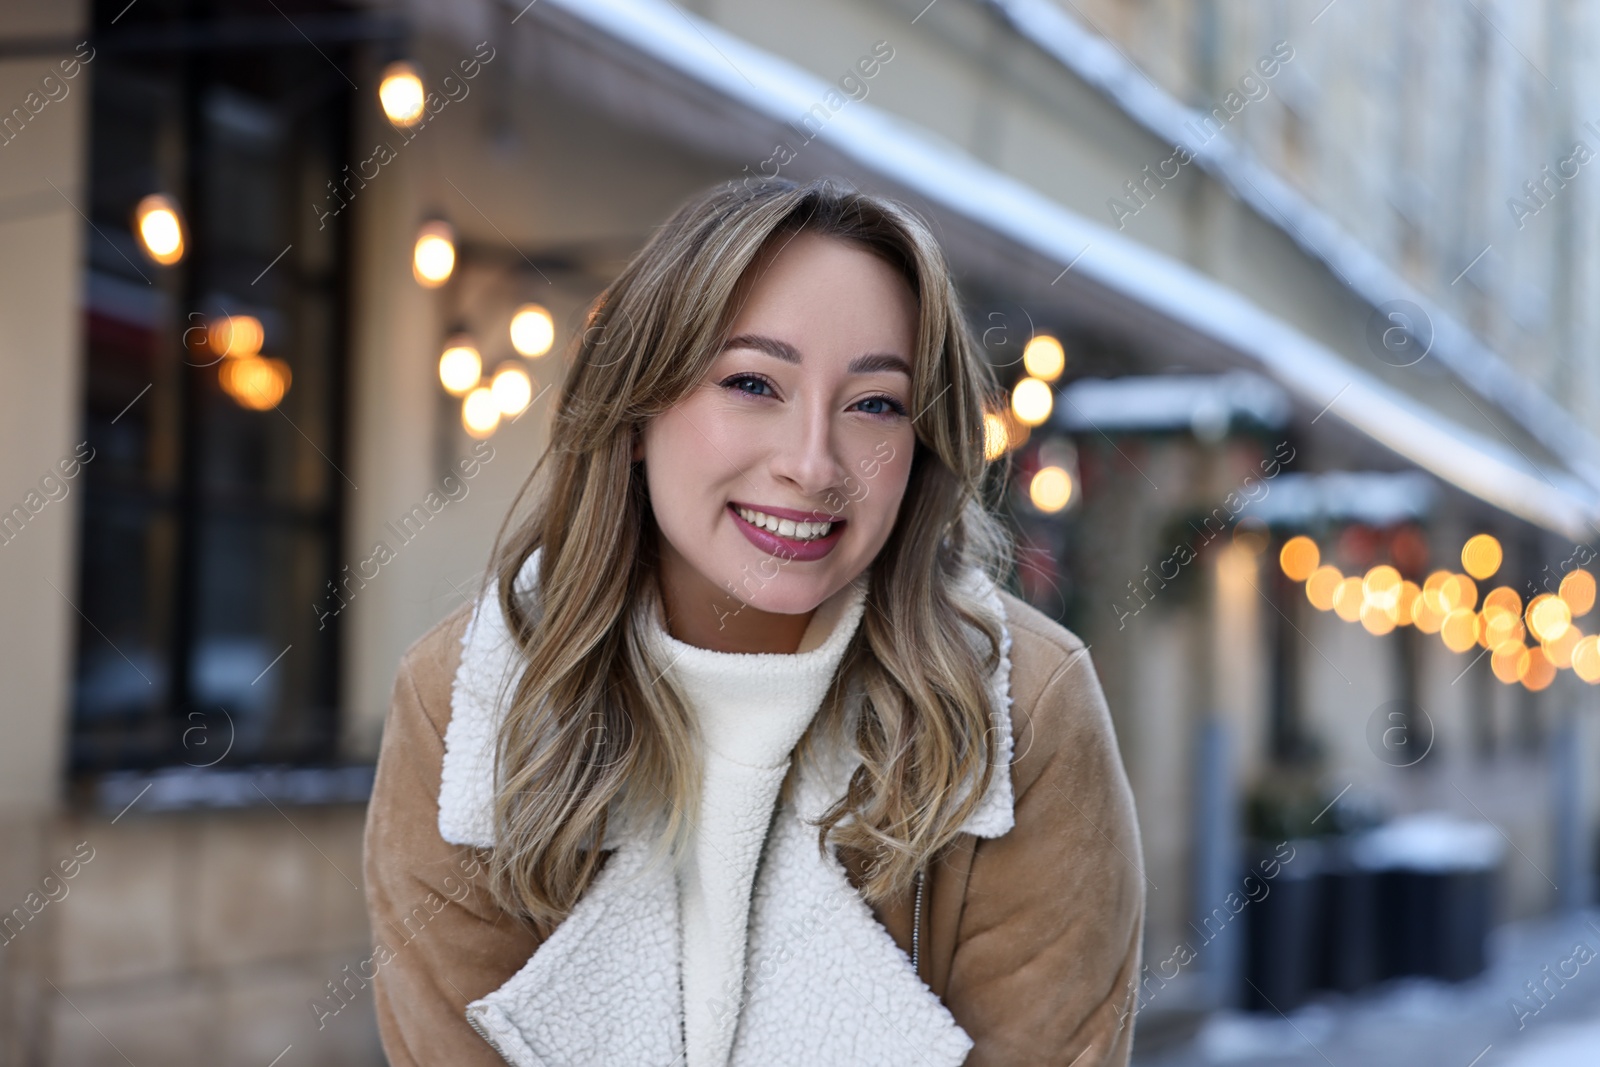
(751, 709)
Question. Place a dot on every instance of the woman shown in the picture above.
(854, 804)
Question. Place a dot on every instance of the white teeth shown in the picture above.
(798, 531)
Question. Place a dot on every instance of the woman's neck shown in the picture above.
(700, 614)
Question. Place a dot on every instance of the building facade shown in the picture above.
(242, 490)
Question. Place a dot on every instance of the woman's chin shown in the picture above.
(794, 598)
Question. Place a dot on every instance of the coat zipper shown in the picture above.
(487, 1039)
(916, 923)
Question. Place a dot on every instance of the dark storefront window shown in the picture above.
(212, 504)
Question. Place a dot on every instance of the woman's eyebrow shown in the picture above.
(868, 364)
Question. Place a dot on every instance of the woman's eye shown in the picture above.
(884, 405)
(744, 382)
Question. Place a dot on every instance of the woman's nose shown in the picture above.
(805, 452)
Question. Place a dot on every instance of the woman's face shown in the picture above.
(804, 417)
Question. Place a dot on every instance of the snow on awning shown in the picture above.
(916, 160)
(1376, 498)
(1205, 404)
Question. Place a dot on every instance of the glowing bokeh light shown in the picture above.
(401, 93)
(1549, 617)
(1577, 589)
(460, 366)
(253, 382)
(1586, 659)
(1044, 358)
(1032, 401)
(160, 229)
(1480, 556)
(1459, 631)
(512, 389)
(236, 335)
(1321, 586)
(1347, 599)
(1050, 489)
(533, 331)
(1299, 557)
(434, 257)
(479, 412)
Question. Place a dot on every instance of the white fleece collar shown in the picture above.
(480, 696)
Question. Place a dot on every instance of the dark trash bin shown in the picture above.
(1283, 931)
(1348, 959)
(1434, 893)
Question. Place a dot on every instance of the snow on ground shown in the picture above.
(1422, 1023)
(1565, 1045)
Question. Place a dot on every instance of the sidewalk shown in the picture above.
(1422, 1023)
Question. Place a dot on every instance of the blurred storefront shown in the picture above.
(288, 295)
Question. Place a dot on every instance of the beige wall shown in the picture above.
(40, 327)
(530, 168)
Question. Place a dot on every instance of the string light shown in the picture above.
(254, 382)
(1480, 556)
(479, 412)
(401, 93)
(1347, 599)
(1459, 631)
(160, 229)
(460, 366)
(236, 335)
(1549, 617)
(1044, 358)
(1050, 489)
(533, 331)
(1032, 401)
(1321, 586)
(1299, 558)
(512, 389)
(1577, 589)
(1586, 659)
(433, 259)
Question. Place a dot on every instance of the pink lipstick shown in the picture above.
(788, 548)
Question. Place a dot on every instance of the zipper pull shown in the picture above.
(916, 924)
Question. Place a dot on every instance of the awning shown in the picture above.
(655, 48)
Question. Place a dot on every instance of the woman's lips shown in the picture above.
(787, 548)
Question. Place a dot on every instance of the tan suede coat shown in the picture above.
(1030, 939)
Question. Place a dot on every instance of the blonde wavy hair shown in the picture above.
(590, 734)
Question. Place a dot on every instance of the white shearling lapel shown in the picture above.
(825, 982)
(479, 694)
(603, 988)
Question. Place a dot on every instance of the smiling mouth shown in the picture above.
(792, 529)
